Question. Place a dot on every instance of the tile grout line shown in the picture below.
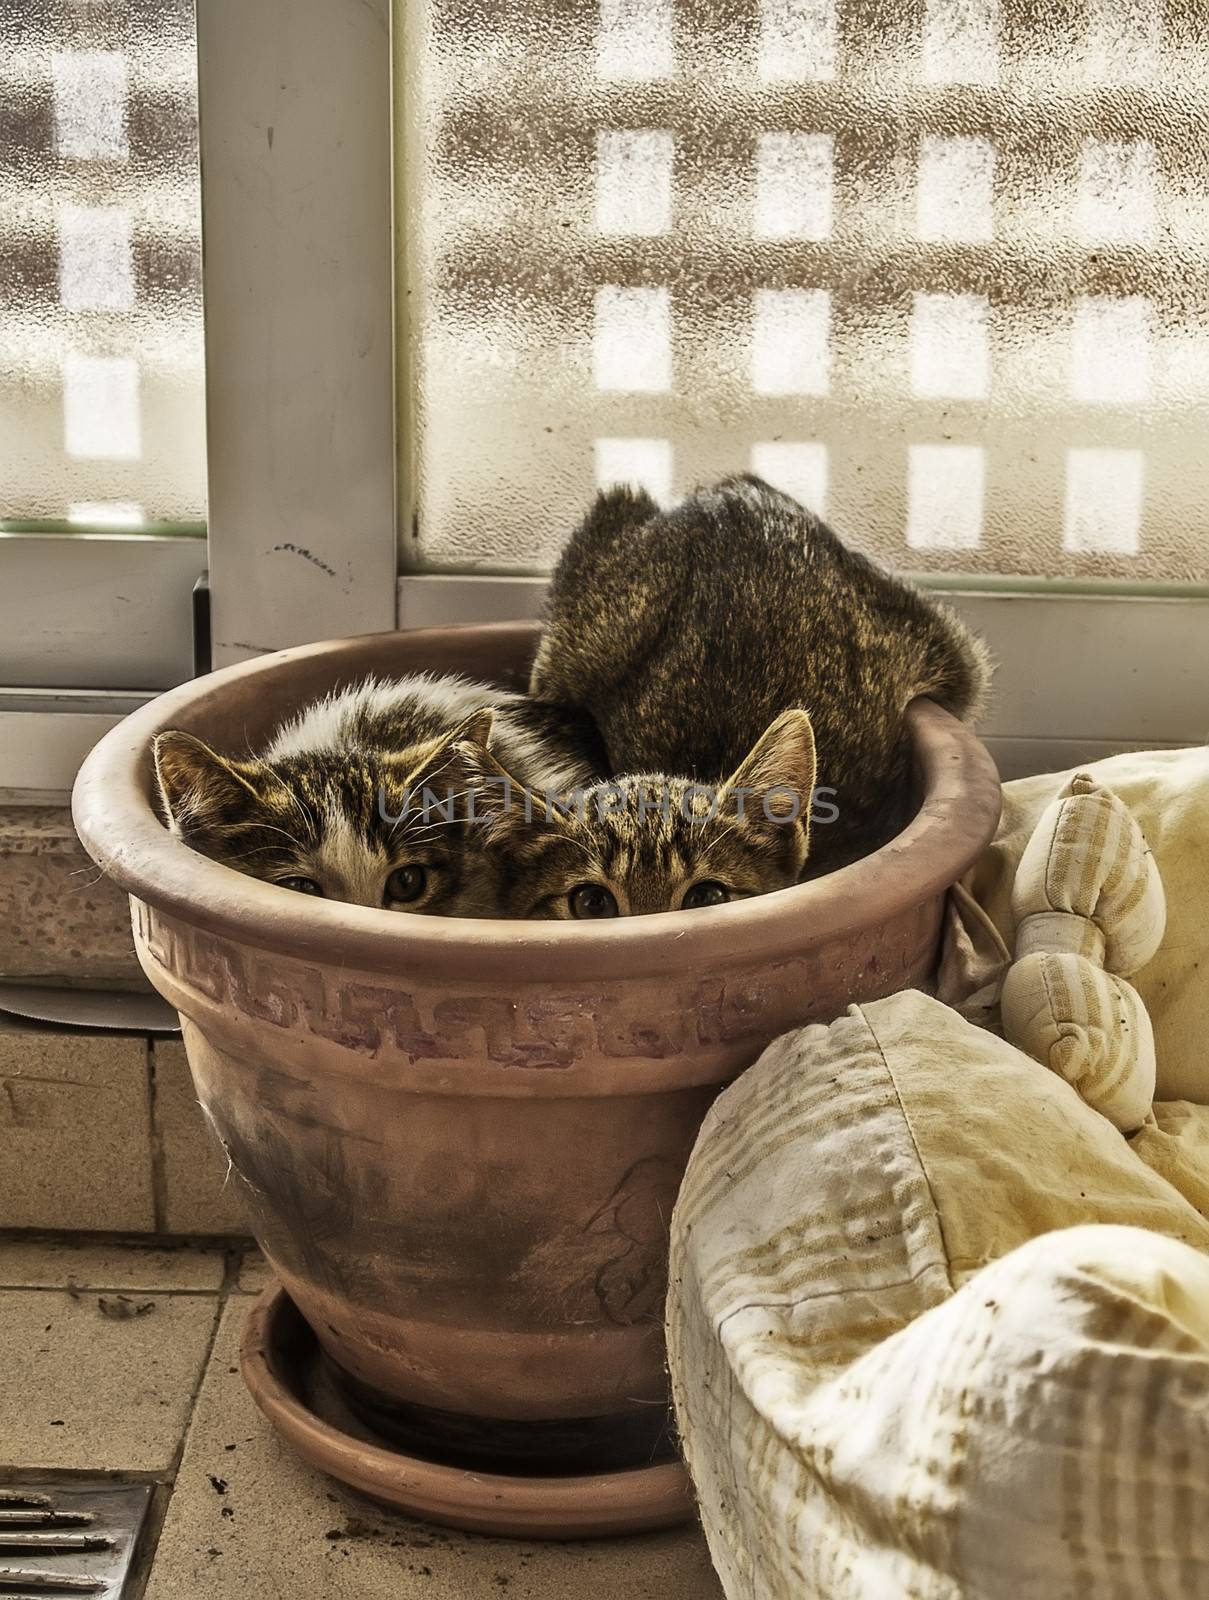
(124, 1239)
(75, 1290)
(159, 1179)
(158, 1516)
(220, 1306)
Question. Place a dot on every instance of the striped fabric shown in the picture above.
(1087, 1025)
(1090, 909)
(1167, 792)
(889, 1384)
(1089, 859)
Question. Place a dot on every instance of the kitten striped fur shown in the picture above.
(635, 845)
(392, 714)
(334, 805)
(684, 633)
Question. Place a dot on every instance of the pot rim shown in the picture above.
(120, 830)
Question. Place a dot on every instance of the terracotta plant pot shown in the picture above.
(460, 1141)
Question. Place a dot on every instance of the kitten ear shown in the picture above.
(779, 771)
(445, 759)
(195, 782)
(498, 798)
(476, 728)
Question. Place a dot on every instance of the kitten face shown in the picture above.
(649, 843)
(346, 826)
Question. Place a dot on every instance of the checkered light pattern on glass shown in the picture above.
(101, 369)
(938, 269)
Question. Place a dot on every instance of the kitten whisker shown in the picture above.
(270, 827)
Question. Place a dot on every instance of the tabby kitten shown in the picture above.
(684, 633)
(336, 804)
(648, 843)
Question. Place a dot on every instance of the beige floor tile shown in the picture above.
(255, 1273)
(75, 1132)
(247, 1518)
(84, 1389)
(63, 1263)
(196, 1195)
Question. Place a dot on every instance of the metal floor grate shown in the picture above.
(75, 1538)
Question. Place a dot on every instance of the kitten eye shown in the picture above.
(592, 900)
(406, 883)
(706, 893)
(300, 885)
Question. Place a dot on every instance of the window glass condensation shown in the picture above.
(101, 359)
(938, 270)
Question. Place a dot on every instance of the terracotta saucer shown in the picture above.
(281, 1366)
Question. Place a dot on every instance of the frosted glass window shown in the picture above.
(955, 197)
(946, 487)
(949, 358)
(102, 405)
(935, 267)
(1110, 351)
(631, 348)
(1104, 500)
(634, 182)
(91, 91)
(791, 341)
(794, 185)
(797, 468)
(799, 41)
(1117, 193)
(96, 258)
(640, 463)
(1124, 41)
(115, 514)
(634, 41)
(961, 41)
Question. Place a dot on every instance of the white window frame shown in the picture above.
(296, 140)
(296, 157)
(97, 611)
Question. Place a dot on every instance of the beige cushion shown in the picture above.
(1174, 1143)
(1039, 1436)
(859, 1425)
(1087, 881)
(1088, 908)
(1167, 792)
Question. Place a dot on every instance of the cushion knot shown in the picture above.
(1060, 933)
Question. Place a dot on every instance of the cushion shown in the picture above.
(1174, 1143)
(1167, 792)
(1088, 908)
(839, 1233)
(1031, 1437)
